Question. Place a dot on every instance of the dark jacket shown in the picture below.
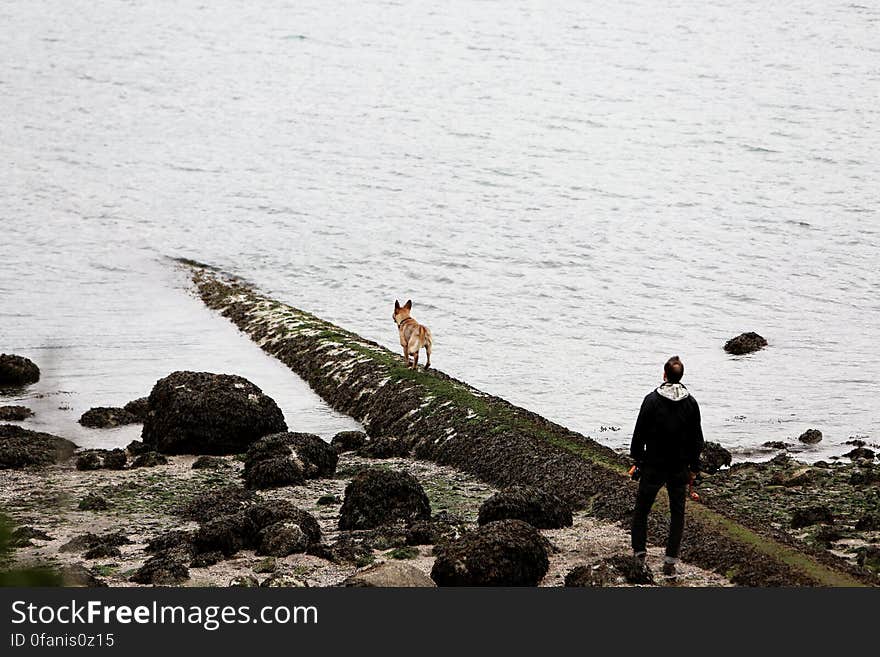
(668, 433)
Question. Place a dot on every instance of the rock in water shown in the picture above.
(138, 408)
(388, 575)
(203, 413)
(532, 505)
(104, 417)
(20, 447)
(17, 371)
(14, 413)
(745, 343)
(500, 553)
(377, 497)
(811, 436)
(714, 457)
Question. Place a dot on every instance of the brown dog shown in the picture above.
(413, 336)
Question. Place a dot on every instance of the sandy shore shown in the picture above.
(143, 501)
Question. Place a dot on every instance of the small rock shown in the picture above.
(594, 575)
(93, 502)
(798, 477)
(102, 551)
(77, 575)
(284, 581)
(244, 581)
(812, 515)
(714, 457)
(22, 537)
(348, 441)
(149, 460)
(377, 496)
(163, 570)
(810, 437)
(282, 538)
(267, 565)
(532, 505)
(745, 343)
(390, 574)
(14, 413)
(138, 408)
(868, 523)
(209, 463)
(103, 417)
(17, 371)
(385, 447)
(776, 444)
(21, 447)
(327, 500)
(500, 553)
(861, 453)
(206, 559)
(136, 447)
(869, 558)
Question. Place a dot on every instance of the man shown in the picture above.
(666, 446)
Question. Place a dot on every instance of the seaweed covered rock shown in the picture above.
(163, 569)
(745, 343)
(348, 441)
(282, 538)
(593, 575)
(532, 505)
(215, 503)
(862, 453)
(286, 459)
(16, 371)
(273, 473)
(105, 417)
(441, 528)
(385, 447)
(14, 413)
(209, 463)
(138, 408)
(376, 497)
(811, 437)
(230, 533)
(391, 574)
(93, 502)
(626, 568)
(714, 457)
(204, 413)
(90, 542)
(77, 575)
(136, 447)
(98, 459)
(149, 460)
(812, 515)
(500, 553)
(21, 447)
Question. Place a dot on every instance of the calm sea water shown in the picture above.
(569, 192)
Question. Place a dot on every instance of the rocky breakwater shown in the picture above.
(449, 422)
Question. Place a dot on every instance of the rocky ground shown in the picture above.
(143, 503)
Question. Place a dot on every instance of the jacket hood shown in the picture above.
(673, 391)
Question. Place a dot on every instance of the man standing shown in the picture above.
(666, 446)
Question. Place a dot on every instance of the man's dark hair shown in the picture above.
(674, 369)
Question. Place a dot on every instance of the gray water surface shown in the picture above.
(569, 192)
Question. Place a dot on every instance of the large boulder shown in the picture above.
(377, 497)
(745, 343)
(714, 457)
(532, 505)
(391, 574)
(106, 417)
(501, 553)
(203, 413)
(385, 447)
(16, 371)
(21, 447)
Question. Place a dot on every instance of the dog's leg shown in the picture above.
(415, 364)
(428, 353)
(405, 356)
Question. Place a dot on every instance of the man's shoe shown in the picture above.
(669, 569)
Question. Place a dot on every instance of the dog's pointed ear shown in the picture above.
(408, 305)
(396, 304)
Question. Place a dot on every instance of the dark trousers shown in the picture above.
(652, 480)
